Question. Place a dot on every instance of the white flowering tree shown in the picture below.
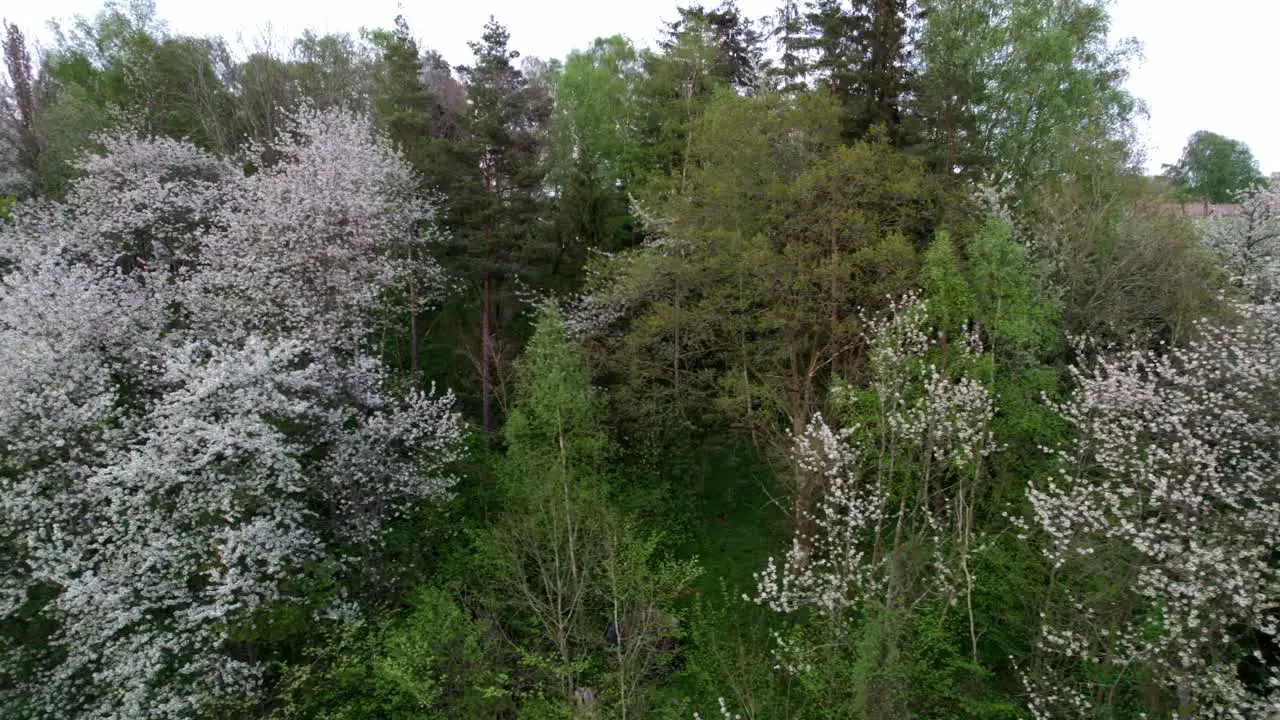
(1163, 532)
(145, 200)
(1248, 243)
(193, 423)
(893, 526)
(310, 243)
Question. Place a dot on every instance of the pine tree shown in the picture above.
(859, 53)
(830, 37)
(501, 236)
(739, 44)
(787, 32)
(885, 74)
(400, 102)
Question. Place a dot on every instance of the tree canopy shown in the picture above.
(1215, 169)
(834, 364)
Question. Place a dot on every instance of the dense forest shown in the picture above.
(841, 363)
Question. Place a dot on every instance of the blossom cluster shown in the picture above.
(1248, 243)
(308, 244)
(190, 414)
(725, 713)
(828, 568)
(1176, 468)
(931, 422)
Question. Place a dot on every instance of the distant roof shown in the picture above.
(1206, 209)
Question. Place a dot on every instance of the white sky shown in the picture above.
(1208, 65)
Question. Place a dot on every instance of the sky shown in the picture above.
(1206, 66)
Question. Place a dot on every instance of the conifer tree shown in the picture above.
(502, 239)
(859, 53)
(401, 103)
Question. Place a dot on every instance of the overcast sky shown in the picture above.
(1207, 65)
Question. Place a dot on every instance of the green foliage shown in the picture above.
(433, 663)
(951, 302)
(750, 215)
(400, 100)
(731, 656)
(595, 155)
(744, 155)
(554, 400)
(1214, 168)
(904, 665)
(739, 45)
(437, 658)
(496, 200)
(67, 125)
(678, 83)
(753, 298)
(1015, 308)
(331, 70)
(425, 122)
(168, 85)
(1123, 265)
(859, 53)
(561, 562)
(986, 67)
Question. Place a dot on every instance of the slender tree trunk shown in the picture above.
(746, 392)
(486, 357)
(1186, 700)
(675, 353)
(835, 301)
(951, 143)
(805, 486)
(413, 320)
(966, 528)
(571, 535)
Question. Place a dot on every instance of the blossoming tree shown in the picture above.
(1248, 244)
(193, 421)
(1163, 530)
(893, 527)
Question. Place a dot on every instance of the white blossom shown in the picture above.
(190, 414)
(828, 569)
(306, 247)
(725, 713)
(1248, 243)
(1177, 470)
(931, 430)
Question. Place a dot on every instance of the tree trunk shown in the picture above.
(486, 357)
(951, 143)
(413, 321)
(835, 302)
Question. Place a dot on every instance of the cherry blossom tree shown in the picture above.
(310, 242)
(895, 487)
(192, 415)
(1248, 244)
(1162, 528)
(145, 200)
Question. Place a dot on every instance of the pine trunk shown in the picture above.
(486, 357)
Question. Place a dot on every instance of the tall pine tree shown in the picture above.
(502, 237)
(859, 52)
